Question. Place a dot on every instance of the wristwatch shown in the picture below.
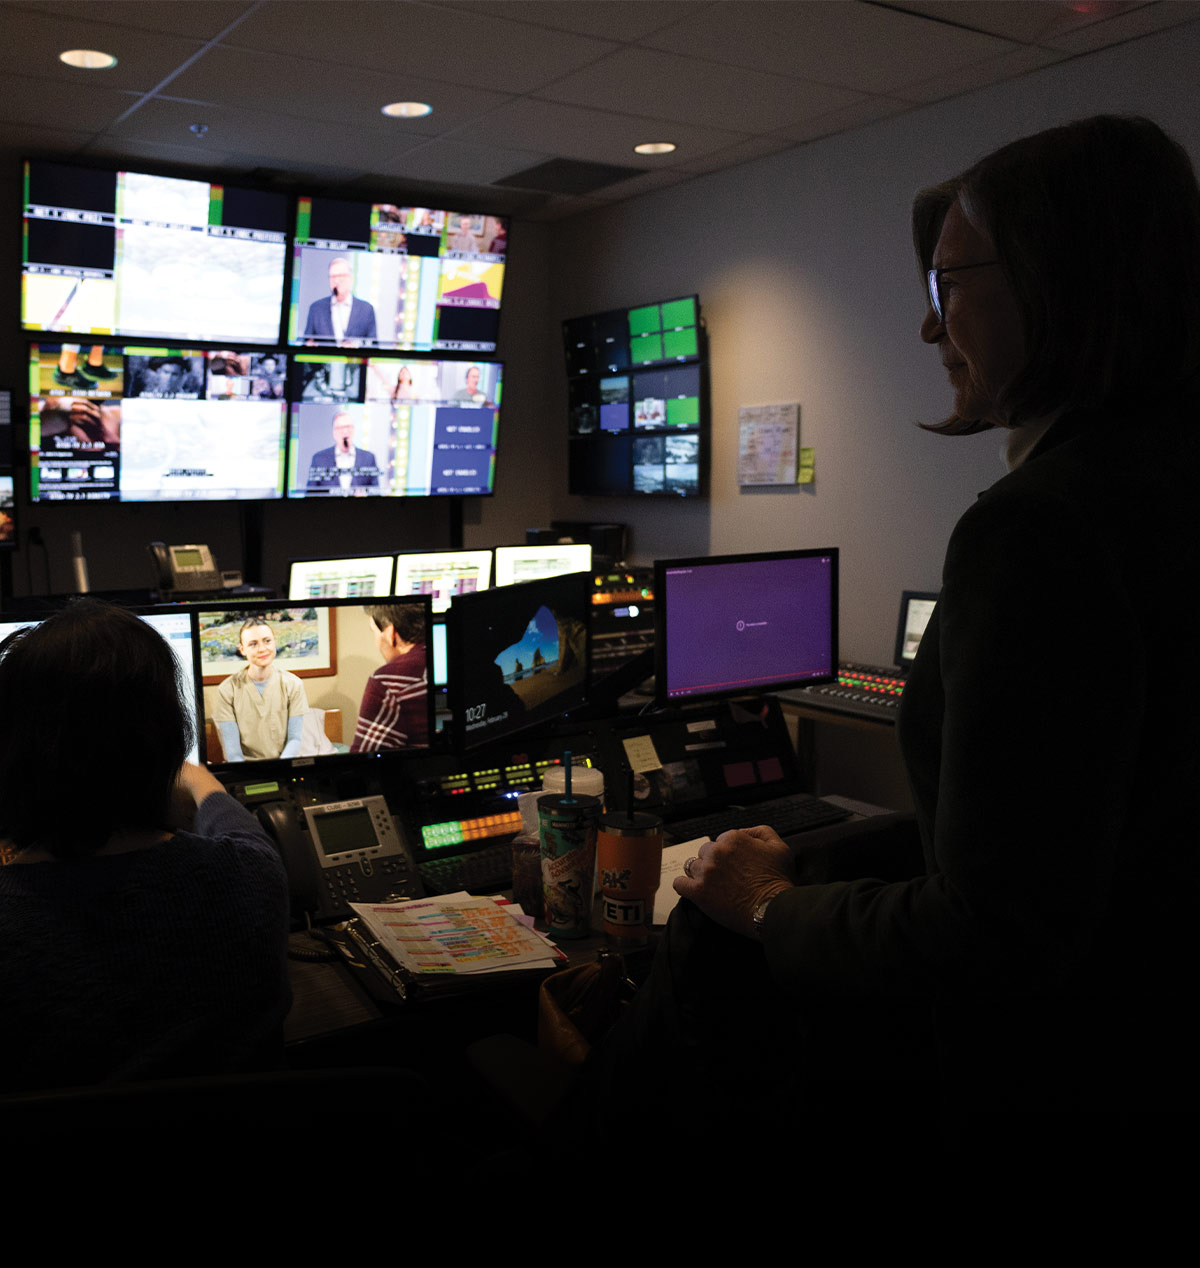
(760, 914)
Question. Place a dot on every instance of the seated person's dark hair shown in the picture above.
(95, 729)
(407, 619)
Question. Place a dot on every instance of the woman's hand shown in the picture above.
(732, 875)
(192, 785)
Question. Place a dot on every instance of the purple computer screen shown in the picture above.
(750, 623)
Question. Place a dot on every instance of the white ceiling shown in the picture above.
(291, 90)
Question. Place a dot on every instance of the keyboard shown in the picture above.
(484, 871)
(868, 691)
(787, 815)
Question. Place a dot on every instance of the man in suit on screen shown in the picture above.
(339, 316)
(343, 466)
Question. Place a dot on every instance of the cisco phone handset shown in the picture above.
(342, 853)
(189, 568)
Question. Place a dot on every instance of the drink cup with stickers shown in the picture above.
(629, 856)
(568, 830)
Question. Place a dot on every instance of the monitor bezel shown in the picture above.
(906, 599)
(267, 768)
(458, 650)
(319, 559)
(661, 608)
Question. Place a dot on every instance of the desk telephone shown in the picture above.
(343, 852)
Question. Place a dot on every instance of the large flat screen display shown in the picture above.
(8, 509)
(134, 423)
(376, 427)
(732, 624)
(380, 275)
(118, 253)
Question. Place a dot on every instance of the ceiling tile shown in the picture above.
(1026, 21)
(663, 86)
(169, 17)
(602, 136)
(1020, 61)
(623, 20)
(739, 152)
(141, 63)
(457, 46)
(856, 115)
(75, 107)
(307, 88)
(470, 165)
(861, 46)
(1127, 26)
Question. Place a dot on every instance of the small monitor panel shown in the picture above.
(526, 563)
(442, 574)
(130, 423)
(317, 679)
(518, 656)
(176, 629)
(735, 624)
(354, 578)
(916, 607)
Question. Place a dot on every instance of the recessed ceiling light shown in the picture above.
(407, 109)
(654, 147)
(87, 59)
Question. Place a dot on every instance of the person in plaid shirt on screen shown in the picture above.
(395, 711)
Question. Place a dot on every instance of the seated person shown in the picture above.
(260, 710)
(395, 704)
(109, 967)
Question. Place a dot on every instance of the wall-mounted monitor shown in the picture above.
(442, 574)
(518, 656)
(637, 401)
(8, 503)
(515, 564)
(380, 427)
(120, 253)
(315, 679)
(381, 275)
(352, 577)
(135, 423)
(736, 624)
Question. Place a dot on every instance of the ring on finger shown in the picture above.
(687, 867)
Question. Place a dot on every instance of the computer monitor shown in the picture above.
(352, 577)
(406, 278)
(318, 679)
(443, 574)
(732, 624)
(117, 253)
(916, 607)
(380, 427)
(174, 624)
(8, 508)
(518, 656)
(527, 563)
(127, 423)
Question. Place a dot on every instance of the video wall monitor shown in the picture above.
(379, 427)
(735, 624)
(526, 563)
(174, 624)
(381, 275)
(8, 501)
(116, 253)
(314, 679)
(442, 574)
(518, 656)
(637, 401)
(916, 607)
(131, 423)
(358, 577)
